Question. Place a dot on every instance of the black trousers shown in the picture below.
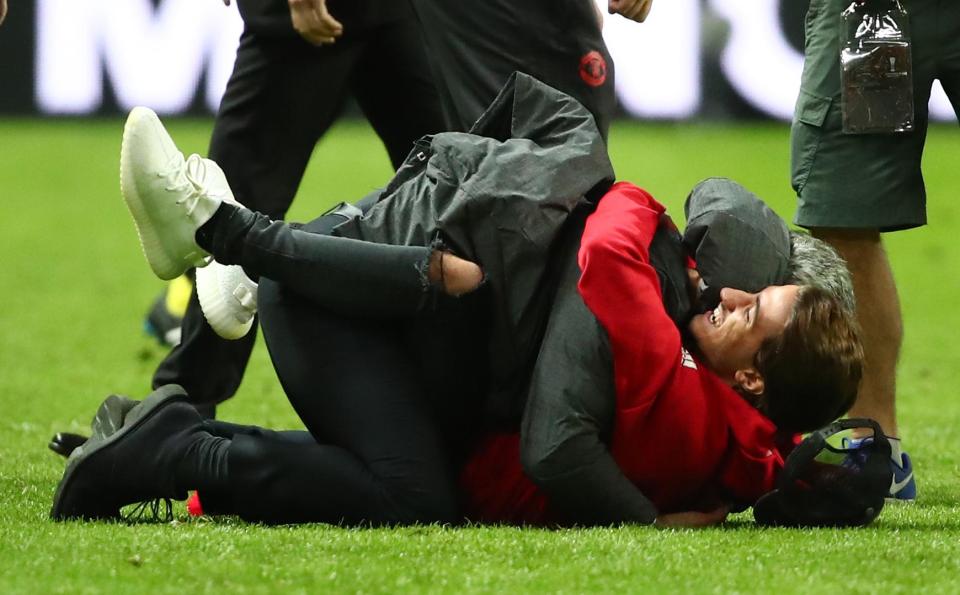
(282, 97)
(390, 404)
(475, 45)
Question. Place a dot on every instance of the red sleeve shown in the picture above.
(753, 461)
(622, 290)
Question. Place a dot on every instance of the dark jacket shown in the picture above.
(500, 196)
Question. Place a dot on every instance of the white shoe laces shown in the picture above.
(185, 177)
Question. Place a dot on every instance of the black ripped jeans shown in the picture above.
(385, 373)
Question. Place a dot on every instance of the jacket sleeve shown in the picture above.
(575, 397)
(622, 290)
(736, 239)
(568, 417)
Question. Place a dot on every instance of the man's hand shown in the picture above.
(693, 519)
(313, 22)
(3, 10)
(635, 10)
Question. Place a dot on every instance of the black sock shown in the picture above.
(222, 235)
(206, 233)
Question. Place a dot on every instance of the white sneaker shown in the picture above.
(168, 196)
(228, 299)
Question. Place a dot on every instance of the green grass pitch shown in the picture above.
(75, 286)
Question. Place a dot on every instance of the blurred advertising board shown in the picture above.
(691, 59)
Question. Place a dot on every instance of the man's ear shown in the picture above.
(749, 380)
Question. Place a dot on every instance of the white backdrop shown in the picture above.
(159, 57)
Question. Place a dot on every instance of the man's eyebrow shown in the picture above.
(756, 309)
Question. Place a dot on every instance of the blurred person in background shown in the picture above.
(886, 194)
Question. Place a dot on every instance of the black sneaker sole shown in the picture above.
(64, 443)
(108, 419)
(110, 415)
(70, 491)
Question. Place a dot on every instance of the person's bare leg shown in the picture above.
(878, 311)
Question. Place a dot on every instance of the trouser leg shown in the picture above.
(217, 498)
(288, 477)
(226, 429)
(283, 95)
(394, 59)
(273, 481)
(208, 367)
(347, 276)
(358, 391)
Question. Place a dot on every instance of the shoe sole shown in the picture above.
(60, 511)
(110, 416)
(64, 443)
(162, 264)
(216, 307)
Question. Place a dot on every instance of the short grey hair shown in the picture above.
(815, 262)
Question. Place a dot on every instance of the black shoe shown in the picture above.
(135, 463)
(64, 443)
(108, 419)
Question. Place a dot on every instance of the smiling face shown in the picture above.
(730, 335)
